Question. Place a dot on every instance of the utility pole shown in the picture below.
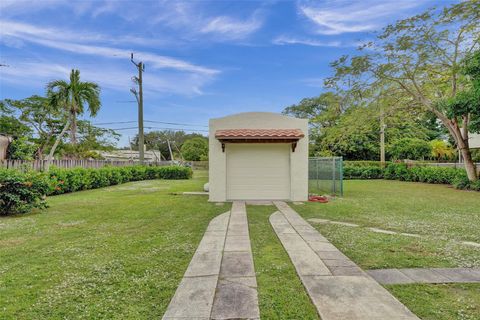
(139, 96)
(170, 149)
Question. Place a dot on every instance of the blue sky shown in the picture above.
(204, 59)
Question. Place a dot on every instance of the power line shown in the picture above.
(117, 122)
(161, 128)
(178, 124)
(151, 121)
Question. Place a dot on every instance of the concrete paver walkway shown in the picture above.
(236, 295)
(427, 275)
(195, 294)
(339, 289)
(220, 280)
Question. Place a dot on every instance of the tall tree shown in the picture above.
(72, 96)
(37, 113)
(195, 149)
(341, 126)
(157, 140)
(421, 57)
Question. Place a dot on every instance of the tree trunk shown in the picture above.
(39, 152)
(55, 145)
(73, 129)
(462, 143)
(469, 164)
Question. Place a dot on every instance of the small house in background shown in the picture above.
(474, 140)
(4, 143)
(258, 156)
(130, 155)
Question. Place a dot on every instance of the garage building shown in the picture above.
(258, 156)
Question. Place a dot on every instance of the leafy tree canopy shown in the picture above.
(157, 140)
(195, 149)
(353, 131)
(420, 60)
(37, 123)
(410, 148)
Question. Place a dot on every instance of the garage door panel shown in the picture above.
(258, 171)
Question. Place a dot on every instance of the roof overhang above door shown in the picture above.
(259, 136)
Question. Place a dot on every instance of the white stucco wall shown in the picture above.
(474, 140)
(258, 120)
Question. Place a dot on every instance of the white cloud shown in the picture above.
(192, 20)
(336, 17)
(286, 40)
(232, 28)
(19, 30)
(60, 39)
(164, 74)
(37, 74)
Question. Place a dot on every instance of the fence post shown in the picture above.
(334, 185)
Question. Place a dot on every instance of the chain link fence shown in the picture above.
(325, 176)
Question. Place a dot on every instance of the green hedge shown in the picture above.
(71, 180)
(400, 171)
(362, 172)
(362, 163)
(456, 177)
(21, 192)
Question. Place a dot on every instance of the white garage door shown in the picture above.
(258, 171)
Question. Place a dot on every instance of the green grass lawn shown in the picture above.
(120, 252)
(112, 253)
(280, 292)
(441, 301)
(442, 215)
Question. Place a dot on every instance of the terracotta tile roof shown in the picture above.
(259, 134)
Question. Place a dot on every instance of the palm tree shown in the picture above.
(441, 150)
(72, 96)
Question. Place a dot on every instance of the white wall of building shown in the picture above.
(257, 120)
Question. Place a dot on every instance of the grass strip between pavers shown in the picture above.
(281, 294)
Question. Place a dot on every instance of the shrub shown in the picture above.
(362, 173)
(21, 192)
(362, 163)
(174, 172)
(71, 180)
(400, 171)
(397, 171)
(461, 182)
(475, 185)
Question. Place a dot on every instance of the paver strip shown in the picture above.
(236, 294)
(426, 275)
(195, 294)
(339, 289)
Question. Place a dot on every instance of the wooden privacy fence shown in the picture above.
(39, 165)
